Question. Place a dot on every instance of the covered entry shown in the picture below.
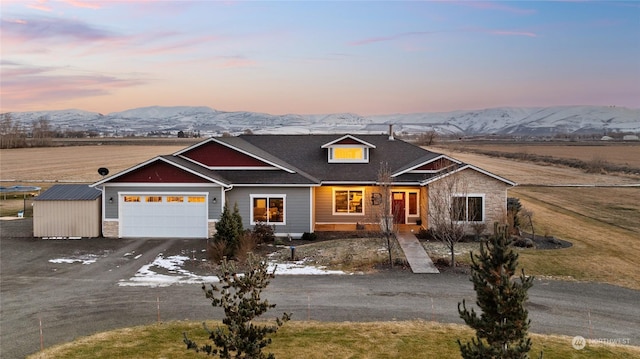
(165, 216)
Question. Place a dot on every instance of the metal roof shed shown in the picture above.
(67, 211)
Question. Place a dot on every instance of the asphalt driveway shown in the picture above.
(79, 287)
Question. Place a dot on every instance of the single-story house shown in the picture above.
(297, 183)
(68, 211)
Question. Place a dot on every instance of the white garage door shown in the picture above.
(164, 216)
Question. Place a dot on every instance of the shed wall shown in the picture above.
(67, 218)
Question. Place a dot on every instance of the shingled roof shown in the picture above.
(303, 160)
(306, 152)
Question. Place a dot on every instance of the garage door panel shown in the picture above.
(164, 219)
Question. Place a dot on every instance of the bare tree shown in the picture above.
(11, 133)
(427, 138)
(528, 215)
(448, 210)
(41, 132)
(385, 214)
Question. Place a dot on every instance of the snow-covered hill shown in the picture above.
(502, 121)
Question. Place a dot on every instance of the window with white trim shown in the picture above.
(348, 154)
(348, 201)
(268, 209)
(467, 208)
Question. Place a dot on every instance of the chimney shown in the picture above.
(390, 132)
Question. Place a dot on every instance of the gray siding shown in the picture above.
(111, 209)
(297, 211)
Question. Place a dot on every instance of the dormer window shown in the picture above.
(348, 149)
(342, 154)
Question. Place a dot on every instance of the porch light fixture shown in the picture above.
(110, 200)
(214, 200)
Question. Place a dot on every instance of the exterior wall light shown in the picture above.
(214, 200)
(110, 200)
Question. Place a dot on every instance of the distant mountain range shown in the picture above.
(543, 121)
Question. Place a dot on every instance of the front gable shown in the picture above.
(348, 149)
(158, 171)
(216, 155)
(485, 176)
(231, 153)
(429, 166)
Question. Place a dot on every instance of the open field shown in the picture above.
(73, 163)
(408, 339)
(627, 154)
(525, 173)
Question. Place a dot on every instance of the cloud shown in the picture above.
(372, 40)
(498, 6)
(23, 84)
(175, 46)
(394, 37)
(49, 28)
(40, 6)
(84, 4)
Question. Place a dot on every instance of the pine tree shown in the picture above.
(501, 328)
(237, 221)
(239, 296)
(227, 230)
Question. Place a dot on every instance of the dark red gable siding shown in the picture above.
(159, 172)
(348, 141)
(435, 165)
(217, 155)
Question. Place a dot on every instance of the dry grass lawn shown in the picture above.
(354, 255)
(603, 223)
(311, 340)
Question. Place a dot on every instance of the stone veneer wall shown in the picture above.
(211, 229)
(110, 229)
(495, 194)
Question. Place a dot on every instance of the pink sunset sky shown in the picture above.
(318, 57)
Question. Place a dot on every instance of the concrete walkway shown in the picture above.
(417, 257)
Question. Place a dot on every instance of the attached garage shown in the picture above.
(67, 211)
(161, 215)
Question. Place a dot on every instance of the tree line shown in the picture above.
(40, 133)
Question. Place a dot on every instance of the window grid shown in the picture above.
(467, 208)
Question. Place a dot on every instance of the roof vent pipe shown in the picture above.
(390, 132)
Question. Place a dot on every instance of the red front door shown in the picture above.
(398, 207)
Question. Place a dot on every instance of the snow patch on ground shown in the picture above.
(149, 275)
(84, 259)
(299, 268)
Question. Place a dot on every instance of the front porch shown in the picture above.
(346, 227)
